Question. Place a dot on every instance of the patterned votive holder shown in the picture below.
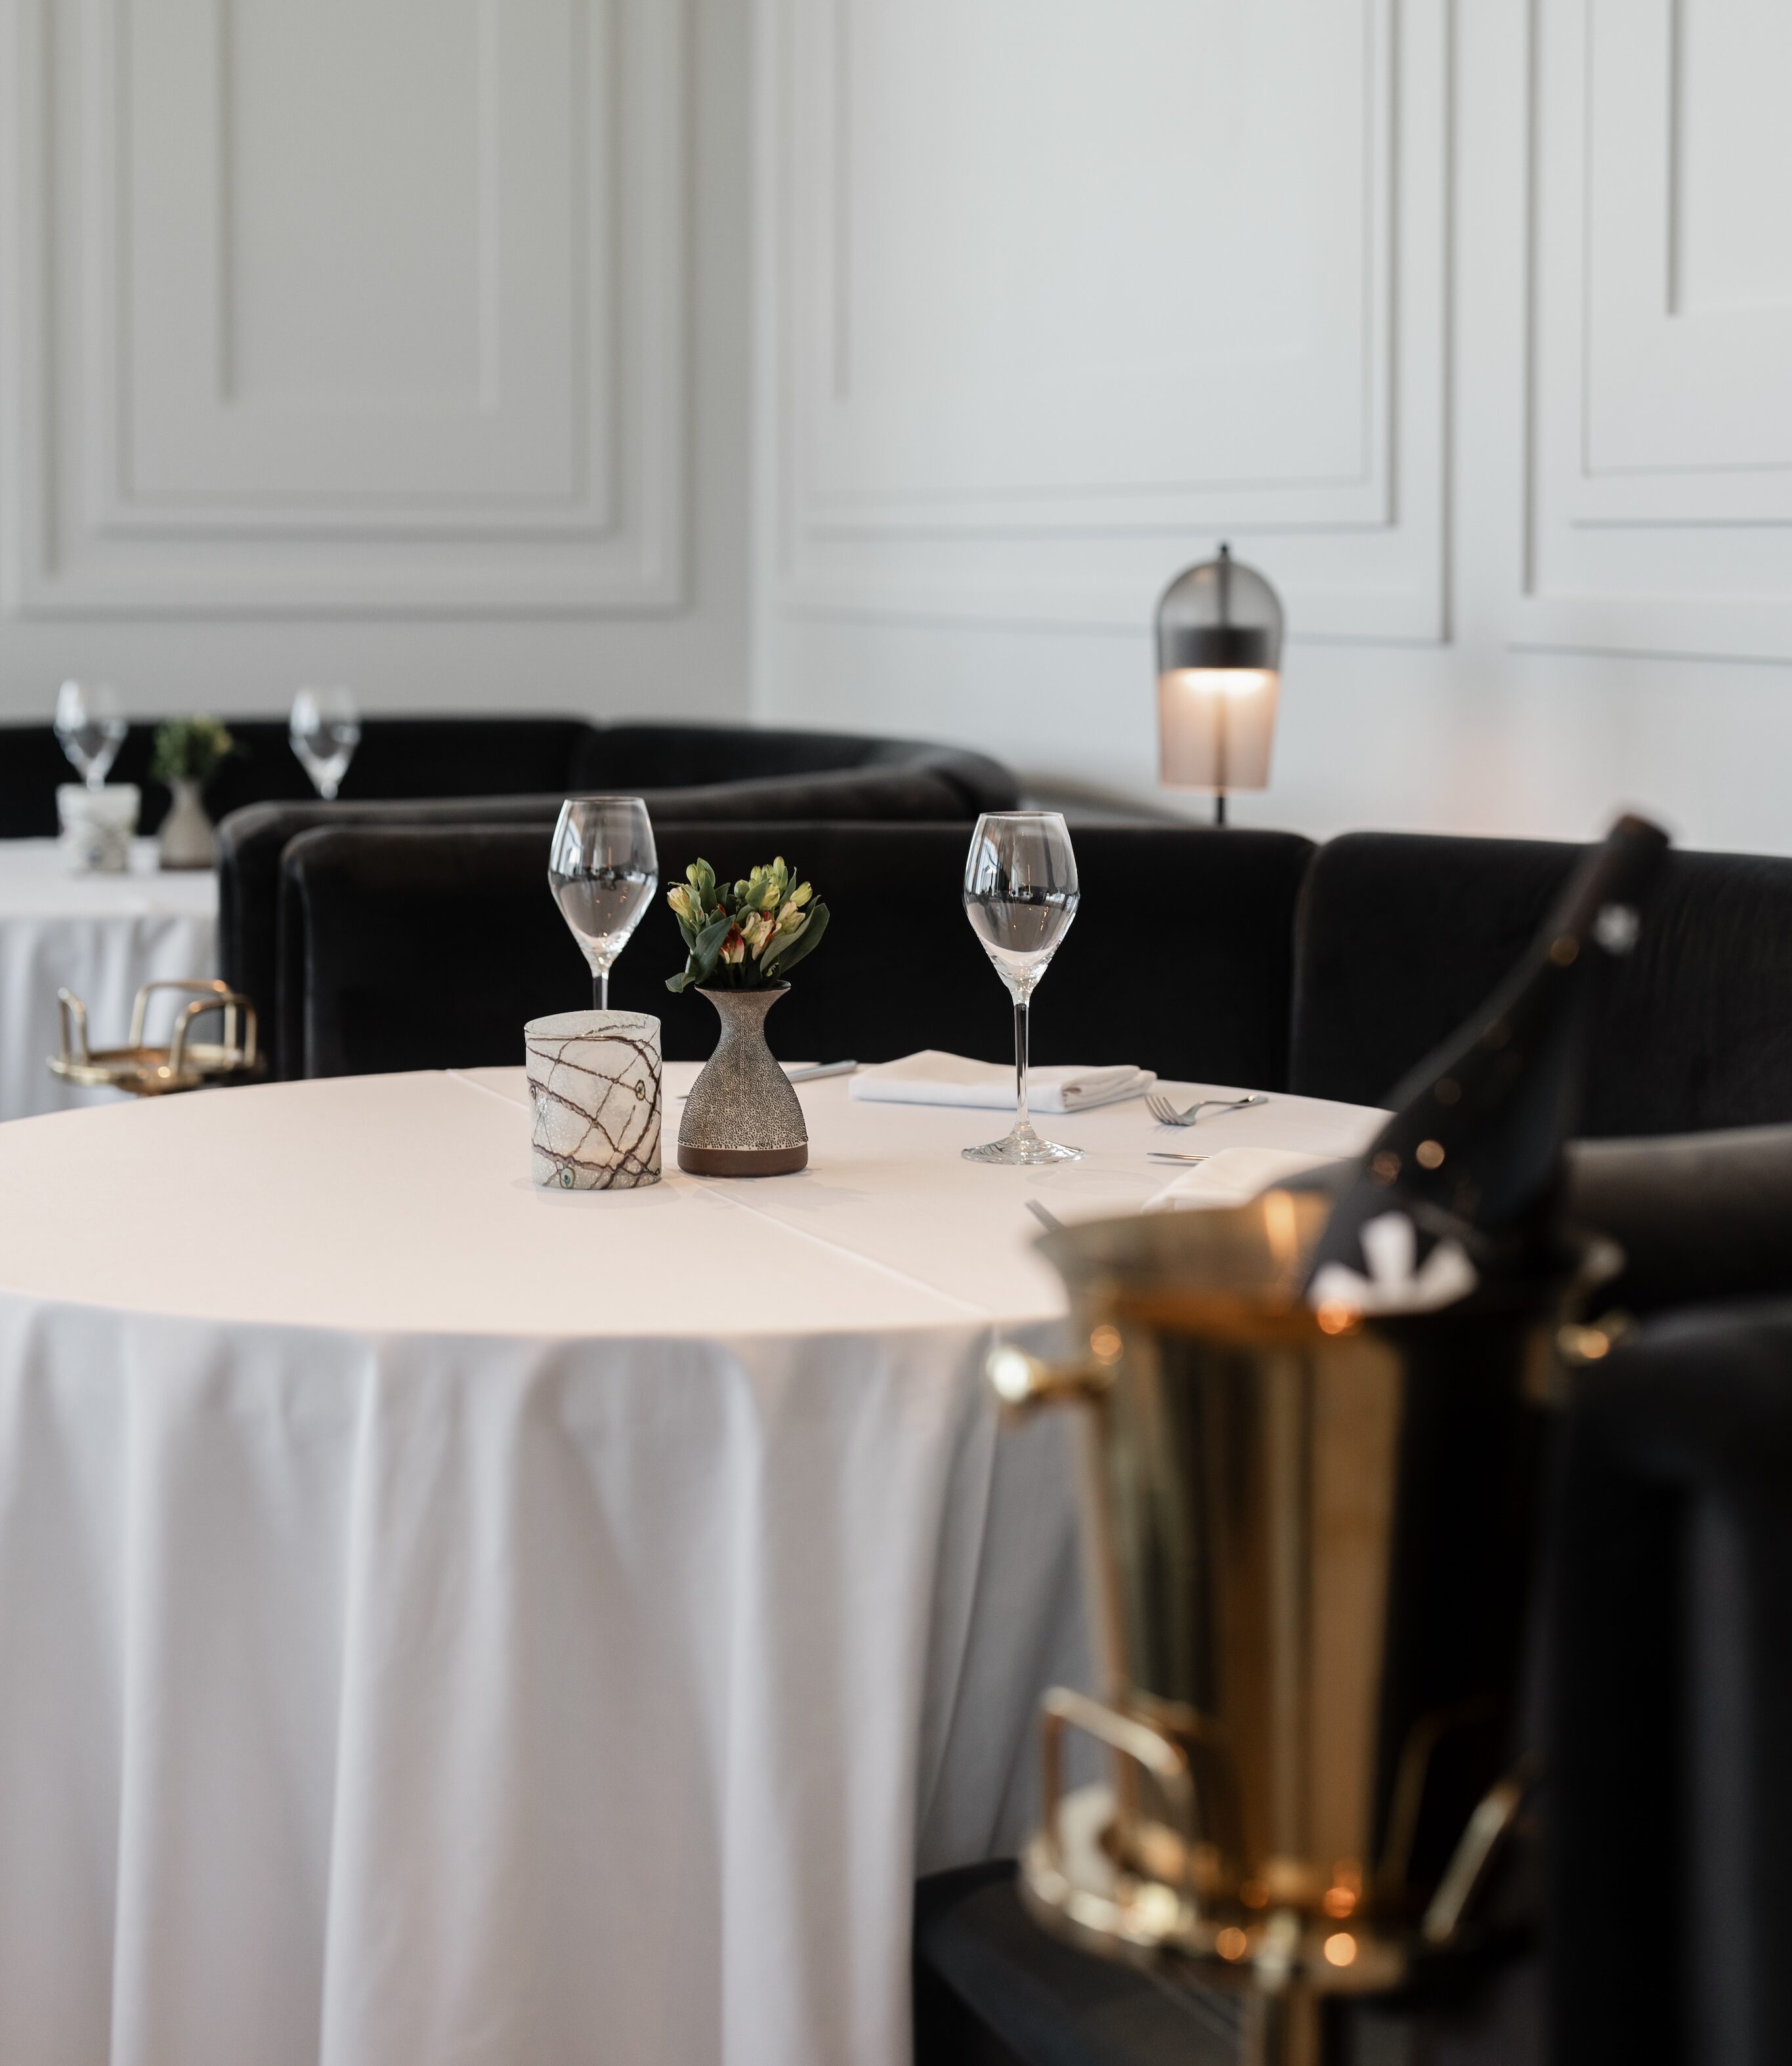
(96, 826)
(594, 1083)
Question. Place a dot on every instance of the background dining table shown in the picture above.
(102, 937)
(443, 1618)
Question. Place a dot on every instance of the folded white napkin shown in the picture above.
(1231, 1175)
(931, 1077)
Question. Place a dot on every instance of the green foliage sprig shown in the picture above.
(744, 935)
(190, 749)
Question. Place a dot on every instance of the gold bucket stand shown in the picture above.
(184, 1065)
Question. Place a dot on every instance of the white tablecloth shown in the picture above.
(442, 1619)
(101, 936)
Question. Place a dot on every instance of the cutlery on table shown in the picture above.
(1044, 1214)
(812, 1073)
(1166, 1114)
(1170, 1155)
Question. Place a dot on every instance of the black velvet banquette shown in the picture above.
(417, 947)
(419, 758)
(685, 771)
(1328, 972)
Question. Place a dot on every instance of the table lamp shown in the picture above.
(1219, 667)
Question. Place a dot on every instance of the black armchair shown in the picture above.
(1671, 1706)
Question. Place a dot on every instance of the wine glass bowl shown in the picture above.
(325, 729)
(89, 728)
(603, 871)
(1021, 896)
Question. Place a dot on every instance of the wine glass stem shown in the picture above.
(1020, 1065)
(601, 992)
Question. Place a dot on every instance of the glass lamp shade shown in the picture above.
(1219, 659)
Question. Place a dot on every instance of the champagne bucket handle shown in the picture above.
(1023, 1383)
(1129, 1736)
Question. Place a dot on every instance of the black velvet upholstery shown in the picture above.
(418, 757)
(1699, 1217)
(830, 776)
(1672, 1674)
(378, 925)
(398, 757)
(1400, 938)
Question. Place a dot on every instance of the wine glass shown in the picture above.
(603, 871)
(92, 729)
(325, 731)
(1020, 895)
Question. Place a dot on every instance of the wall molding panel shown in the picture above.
(1029, 352)
(1658, 515)
(228, 398)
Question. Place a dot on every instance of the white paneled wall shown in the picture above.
(396, 342)
(876, 362)
(1470, 322)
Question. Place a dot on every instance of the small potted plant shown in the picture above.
(189, 752)
(742, 940)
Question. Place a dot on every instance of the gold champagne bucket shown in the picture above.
(1309, 1539)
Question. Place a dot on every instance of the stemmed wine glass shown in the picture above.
(91, 728)
(325, 731)
(1020, 895)
(603, 871)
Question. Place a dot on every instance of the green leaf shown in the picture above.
(804, 941)
(708, 944)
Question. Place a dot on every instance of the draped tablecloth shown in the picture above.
(102, 937)
(443, 1620)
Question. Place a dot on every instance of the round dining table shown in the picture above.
(101, 936)
(446, 1619)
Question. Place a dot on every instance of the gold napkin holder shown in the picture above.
(184, 1064)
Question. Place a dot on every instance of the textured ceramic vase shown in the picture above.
(742, 1118)
(186, 839)
(594, 1087)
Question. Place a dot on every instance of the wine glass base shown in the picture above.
(1023, 1146)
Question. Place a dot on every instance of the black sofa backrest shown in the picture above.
(426, 948)
(415, 758)
(398, 757)
(634, 757)
(1400, 937)
(922, 786)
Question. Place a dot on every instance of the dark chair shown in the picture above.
(424, 948)
(1671, 1708)
(858, 778)
(1399, 938)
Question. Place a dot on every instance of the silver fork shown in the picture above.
(1166, 1114)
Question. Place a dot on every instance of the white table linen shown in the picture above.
(101, 936)
(443, 1618)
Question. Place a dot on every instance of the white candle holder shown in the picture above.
(594, 1084)
(96, 826)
